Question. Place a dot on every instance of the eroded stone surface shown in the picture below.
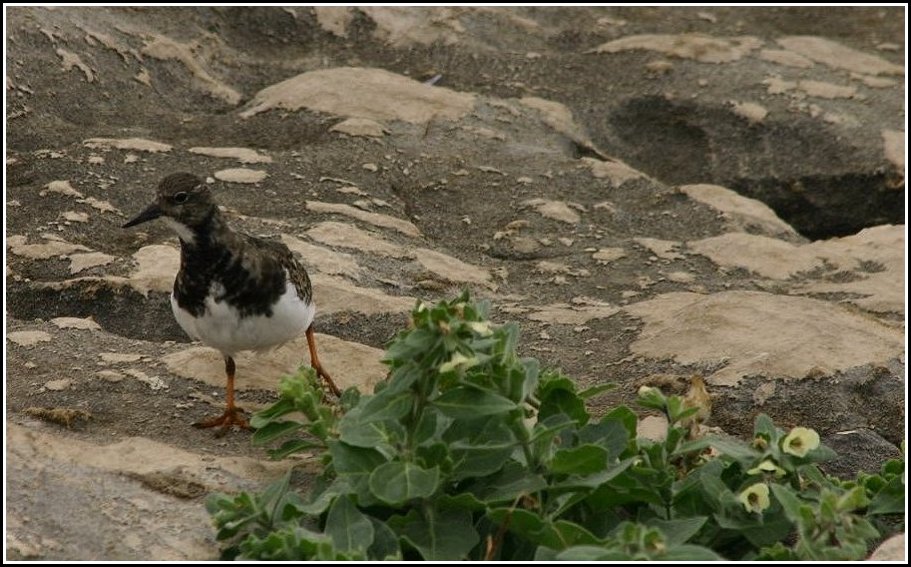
(349, 364)
(754, 333)
(347, 236)
(363, 93)
(376, 219)
(741, 212)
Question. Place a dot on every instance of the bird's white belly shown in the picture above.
(222, 327)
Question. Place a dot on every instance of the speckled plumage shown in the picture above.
(234, 292)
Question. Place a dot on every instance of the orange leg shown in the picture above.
(314, 362)
(233, 415)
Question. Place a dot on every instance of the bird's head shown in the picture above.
(183, 200)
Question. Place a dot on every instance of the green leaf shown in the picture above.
(593, 480)
(582, 460)
(465, 402)
(624, 416)
(385, 546)
(354, 465)
(349, 529)
(690, 553)
(319, 503)
(558, 395)
(543, 553)
(384, 406)
(889, 500)
(461, 501)
(274, 430)
(680, 530)
(507, 485)
(398, 482)
(293, 446)
(789, 502)
(381, 435)
(595, 390)
(611, 434)
(758, 530)
(580, 553)
(438, 535)
(731, 447)
(290, 543)
(765, 427)
(278, 409)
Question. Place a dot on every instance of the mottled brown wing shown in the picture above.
(296, 270)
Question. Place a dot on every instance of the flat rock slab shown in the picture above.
(350, 364)
(753, 333)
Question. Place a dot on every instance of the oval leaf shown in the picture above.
(585, 459)
(468, 403)
(397, 482)
(349, 529)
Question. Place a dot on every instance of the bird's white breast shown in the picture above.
(222, 327)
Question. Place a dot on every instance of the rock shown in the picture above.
(652, 427)
(608, 255)
(615, 171)
(893, 549)
(335, 295)
(28, 338)
(858, 450)
(324, 260)
(742, 213)
(362, 93)
(58, 385)
(556, 210)
(76, 323)
(118, 357)
(241, 175)
(755, 333)
(565, 314)
(452, 269)
(49, 249)
(77, 475)
(63, 187)
(347, 236)
(767, 257)
(702, 48)
(376, 219)
(164, 48)
(157, 266)
(350, 364)
(661, 248)
(360, 127)
(776, 270)
(243, 155)
(135, 144)
(80, 262)
(838, 56)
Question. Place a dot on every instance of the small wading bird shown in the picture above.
(234, 292)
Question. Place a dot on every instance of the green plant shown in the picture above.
(469, 451)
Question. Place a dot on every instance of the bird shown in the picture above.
(233, 292)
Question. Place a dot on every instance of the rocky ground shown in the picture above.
(652, 193)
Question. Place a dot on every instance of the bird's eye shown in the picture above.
(181, 197)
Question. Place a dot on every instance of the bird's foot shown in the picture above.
(231, 417)
(328, 383)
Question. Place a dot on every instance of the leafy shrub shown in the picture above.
(468, 451)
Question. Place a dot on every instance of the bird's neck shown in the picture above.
(203, 238)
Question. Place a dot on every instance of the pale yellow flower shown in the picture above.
(767, 466)
(800, 441)
(480, 327)
(755, 498)
(646, 390)
(458, 360)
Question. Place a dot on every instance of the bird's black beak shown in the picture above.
(151, 212)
